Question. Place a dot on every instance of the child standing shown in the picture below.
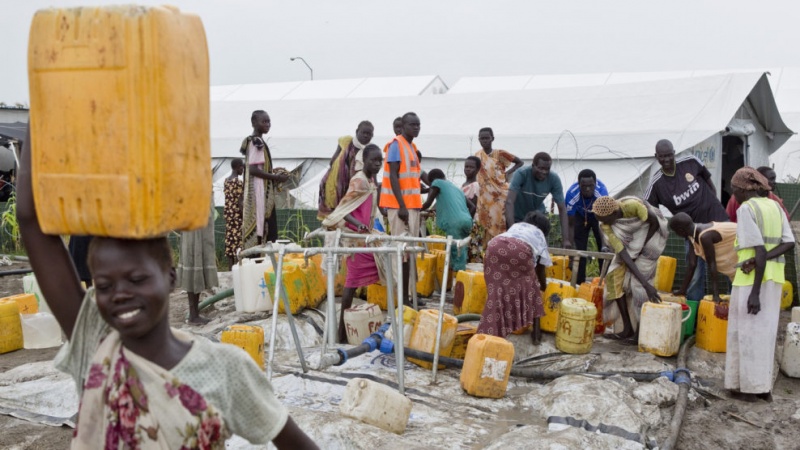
(470, 188)
(259, 221)
(197, 266)
(234, 196)
(141, 382)
(357, 211)
(453, 213)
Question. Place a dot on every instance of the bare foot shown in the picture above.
(198, 320)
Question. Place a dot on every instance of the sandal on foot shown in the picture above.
(616, 337)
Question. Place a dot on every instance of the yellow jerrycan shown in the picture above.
(423, 336)
(469, 295)
(119, 121)
(712, 332)
(556, 291)
(249, 338)
(487, 366)
(665, 273)
(576, 323)
(10, 327)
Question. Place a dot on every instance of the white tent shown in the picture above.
(611, 128)
(785, 83)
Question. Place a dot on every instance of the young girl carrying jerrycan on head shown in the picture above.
(141, 383)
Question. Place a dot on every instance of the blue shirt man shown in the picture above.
(528, 190)
(579, 200)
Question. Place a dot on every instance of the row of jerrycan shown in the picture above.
(24, 325)
(665, 271)
(487, 359)
(302, 281)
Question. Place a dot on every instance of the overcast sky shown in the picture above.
(251, 41)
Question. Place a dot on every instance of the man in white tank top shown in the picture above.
(713, 242)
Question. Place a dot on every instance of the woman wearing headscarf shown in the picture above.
(345, 162)
(763, 235)
(638, 234)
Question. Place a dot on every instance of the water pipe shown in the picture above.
(534, 374)
(684, 380)
(16, 272)
(397, 314)
(449, 242)
(443, 289)
(330, 254)
(468, 317)
(370, 344)
(215, 298)
(280, 294)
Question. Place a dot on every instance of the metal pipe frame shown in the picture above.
(330, 252)
(395, 317)
(449, 241)
(576, 255)
(369, 238)
(441, 306)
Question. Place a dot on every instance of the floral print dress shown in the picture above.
(490, 216)
(234, 190)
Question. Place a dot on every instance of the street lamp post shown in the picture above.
(304, 62)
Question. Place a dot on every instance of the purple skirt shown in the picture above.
(514, 297)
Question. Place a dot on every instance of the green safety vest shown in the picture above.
(769, 218)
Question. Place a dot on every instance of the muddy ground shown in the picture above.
(713, 420)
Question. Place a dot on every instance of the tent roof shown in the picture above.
(608, 121)
(505, 83)
(13, 130)
(326, 89)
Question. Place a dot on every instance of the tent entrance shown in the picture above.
(732, 160)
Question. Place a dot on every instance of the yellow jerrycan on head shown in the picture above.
(119, 121)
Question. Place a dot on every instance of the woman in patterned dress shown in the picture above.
(513, 265)
(493, 181)
(234, 196)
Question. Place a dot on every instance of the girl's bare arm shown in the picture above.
(49, 258)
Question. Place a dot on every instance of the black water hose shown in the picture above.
(530, 373)
(6, 273)
(684, 379)
(214, 299)
(535, 374)
(468, 318)
(425, 356)
(352, 352)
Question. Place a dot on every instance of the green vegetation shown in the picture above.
(11, 242)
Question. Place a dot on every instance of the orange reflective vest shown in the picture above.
(408, 175)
